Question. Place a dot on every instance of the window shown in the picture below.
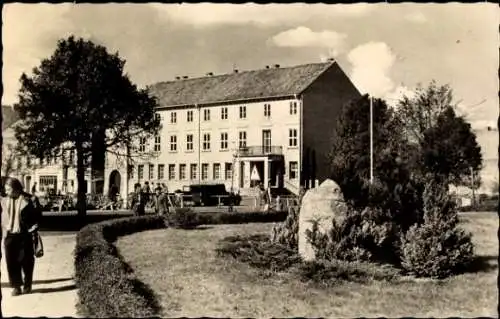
(206, 141)
(157, 117)
(229, 171)
(19, 163)
(47, 182)
(193, 171)
(216, 171)
(171, 171)
(223, 113)
(173, 143)
(293, 108)
(206, 115)
(157, 143)
(71, 157)
(161, 171)
(243, 112)
(151, 171)
(173, 117)
(292, 137)
(189, 142)
(140, 172)
(142, 144)
(293, 170)
(243, 139)
(267, 110)
(28, 161)
(131, 171)
(190, 116)
(204, 171)
(223, 141)
(182, 171)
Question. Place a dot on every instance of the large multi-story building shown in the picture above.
(270, 126)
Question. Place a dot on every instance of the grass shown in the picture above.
(182, 267)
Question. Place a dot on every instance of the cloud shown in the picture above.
(203, 14)
(27, 38)
(305, 37)
(371, 64)
(416, 17)
(393, 97)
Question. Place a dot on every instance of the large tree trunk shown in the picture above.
(82, 185)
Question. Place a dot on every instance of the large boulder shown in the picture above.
(324, 204)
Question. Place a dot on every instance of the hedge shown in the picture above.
(106, 284)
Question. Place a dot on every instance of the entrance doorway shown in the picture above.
(114, 181)
(266, 141)
(242, 174)
(28, 184)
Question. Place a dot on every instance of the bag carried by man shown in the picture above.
(37, 245)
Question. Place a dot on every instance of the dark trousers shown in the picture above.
(20, 259)
(139, 210)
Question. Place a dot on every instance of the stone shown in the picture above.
(324, 204)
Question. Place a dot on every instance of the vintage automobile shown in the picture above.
(210, 194)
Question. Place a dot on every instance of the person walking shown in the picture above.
(161, 202)
(146, 192)
(20, 217)
(138, 203)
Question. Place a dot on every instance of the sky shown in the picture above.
(386, 49)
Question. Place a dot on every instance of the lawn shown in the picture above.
(181, 266)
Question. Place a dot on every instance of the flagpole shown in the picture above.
(371, 140)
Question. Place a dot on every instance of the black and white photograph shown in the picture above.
(249, 160)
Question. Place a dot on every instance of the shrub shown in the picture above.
(437, 248)
(106, 285)
(219, 218)
(259, 252)
(287, 233)
(367, 235)
(184, 218)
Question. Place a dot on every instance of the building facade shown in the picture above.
(271, 126)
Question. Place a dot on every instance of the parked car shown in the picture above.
(207, 195)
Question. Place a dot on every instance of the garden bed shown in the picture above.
(190, 279)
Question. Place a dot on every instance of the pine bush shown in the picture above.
(438, 247)
(287, 233)
(366, 235)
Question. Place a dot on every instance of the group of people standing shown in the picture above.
(21, 214)
(142, 196)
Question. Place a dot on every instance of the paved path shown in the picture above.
(54, 291)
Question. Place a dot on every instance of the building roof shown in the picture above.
(9, 117)
(241, 86)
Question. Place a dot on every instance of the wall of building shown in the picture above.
(322, 103)
(488, 140)
(279, 122)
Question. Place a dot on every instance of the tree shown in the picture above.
(74, 96)
(393, 188)
(450, 149)
(435, 132)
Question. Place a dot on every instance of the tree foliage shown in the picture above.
(442, 143)
(450, 149)
(75, 95)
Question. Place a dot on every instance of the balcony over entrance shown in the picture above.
(260, 150)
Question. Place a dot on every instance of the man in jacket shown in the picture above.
(161, 202)
(20, 217)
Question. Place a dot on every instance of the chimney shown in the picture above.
(210, 73)
(267, 66)
(177, 77)
(277, 66)
(185, 77)
(331, 59)
(235, 70)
